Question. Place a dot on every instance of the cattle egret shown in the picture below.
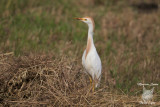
(90, 59)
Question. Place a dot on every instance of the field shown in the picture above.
(42, 44)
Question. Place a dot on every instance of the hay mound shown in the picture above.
(38, 80)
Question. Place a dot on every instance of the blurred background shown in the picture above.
(127, 35)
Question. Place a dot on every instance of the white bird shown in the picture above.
(90, 59)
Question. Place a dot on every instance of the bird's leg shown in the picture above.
(90, 80)
(93, 86)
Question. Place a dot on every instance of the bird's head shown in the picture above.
(87, 20)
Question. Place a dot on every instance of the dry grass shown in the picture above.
(126, 37)
(41, 80)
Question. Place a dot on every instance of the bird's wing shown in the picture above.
(96, 64)
(96, 67)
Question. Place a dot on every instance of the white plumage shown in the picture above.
(90, 59)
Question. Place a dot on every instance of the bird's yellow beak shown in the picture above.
(80, 19)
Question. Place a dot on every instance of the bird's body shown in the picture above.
(90, 59)
(92, 63)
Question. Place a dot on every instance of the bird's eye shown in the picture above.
(85, 19)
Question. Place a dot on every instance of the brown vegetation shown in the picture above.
(127, 37)
(40, 80)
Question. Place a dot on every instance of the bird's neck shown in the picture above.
(90, 29)
(90, 34)
(90, 42)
